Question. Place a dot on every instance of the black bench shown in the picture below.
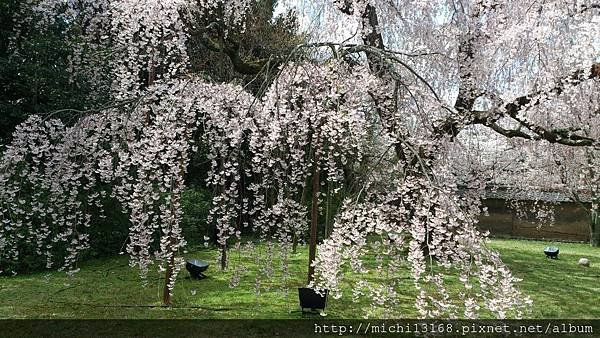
(310, 299)
(196, 268)
(551, 252)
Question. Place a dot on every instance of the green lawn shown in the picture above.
(108, 288)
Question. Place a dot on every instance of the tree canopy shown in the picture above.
(385, 86)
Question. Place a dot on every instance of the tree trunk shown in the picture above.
(595, 228)
(294, 243)
(312, 249)
(223, 257)
(302, 201)
(327, 212)
(168, 275)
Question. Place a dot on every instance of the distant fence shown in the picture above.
(571, 223)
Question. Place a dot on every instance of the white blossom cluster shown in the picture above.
(432, 233)
(59, 176)
(44, 182)
(312, 118)
(133, 43)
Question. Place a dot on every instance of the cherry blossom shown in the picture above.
(408, 84)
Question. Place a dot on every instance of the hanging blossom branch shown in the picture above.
(135, 153)
(422, 219)
(312, 116)
(138, 161)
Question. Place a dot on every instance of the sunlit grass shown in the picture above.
(108, 288)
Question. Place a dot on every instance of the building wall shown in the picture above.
(571, 222)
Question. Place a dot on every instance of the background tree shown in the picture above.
(34, 74)
(536, 168)
(248, 55)
(578, 170)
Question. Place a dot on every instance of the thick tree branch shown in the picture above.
(455, 123)
(584, 8)
(512, 132)
(512, 110)
(534, 99)
(468, 94)
(382, 61)
(231, 48)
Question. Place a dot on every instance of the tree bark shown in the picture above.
(294, 243)
(302, 201)
(223, 257)
(595, 228)
(168, 274)
(312, 249)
